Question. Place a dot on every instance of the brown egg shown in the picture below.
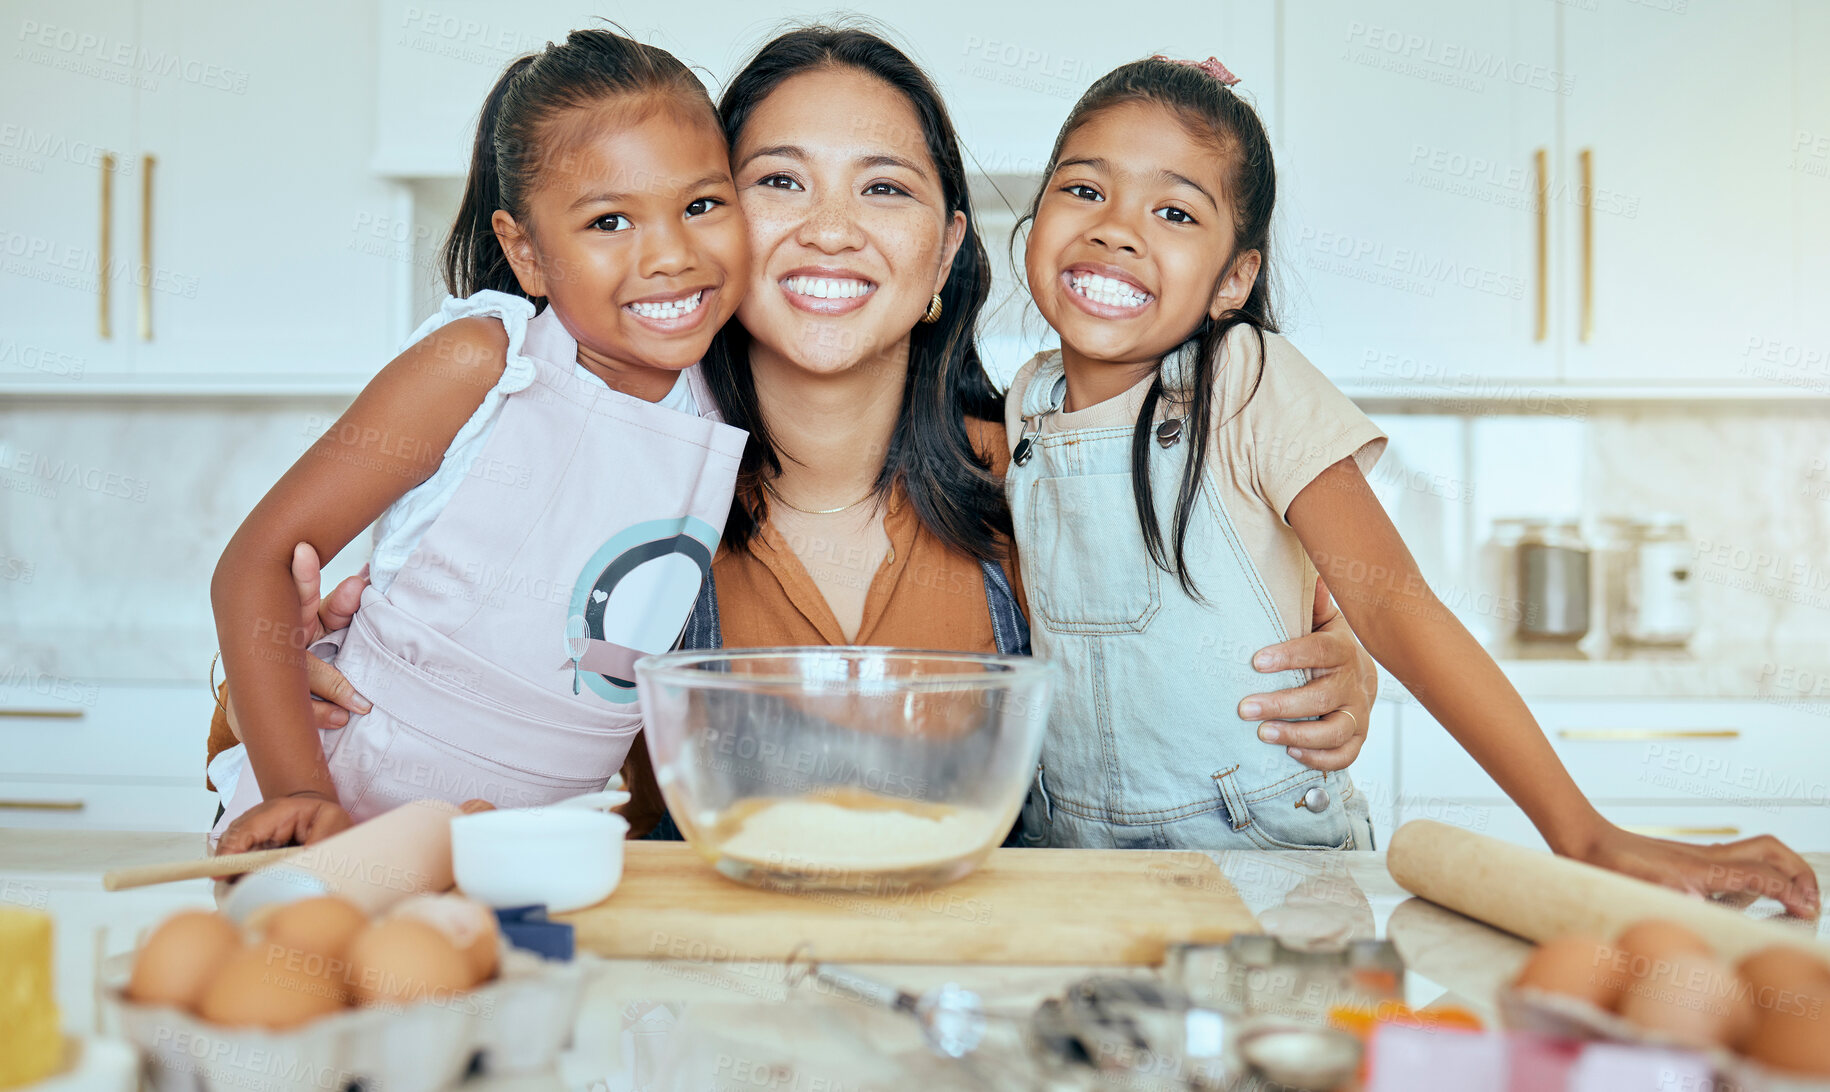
(272, 986)
(1656, 937)
(181, 957)
(1579, 966)
(1688, 998)
(467, 923)
(1790, 992)
(325, 925)
(1775, 979)
(400, 961)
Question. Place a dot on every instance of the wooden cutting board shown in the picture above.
(1022, 906)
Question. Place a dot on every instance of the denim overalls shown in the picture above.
(1145, 748)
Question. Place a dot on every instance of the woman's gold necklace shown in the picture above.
(786, 503)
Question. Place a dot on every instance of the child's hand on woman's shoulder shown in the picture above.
(284, 821)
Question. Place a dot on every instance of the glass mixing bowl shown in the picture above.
(844, 768)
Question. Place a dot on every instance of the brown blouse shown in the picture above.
(925, 595)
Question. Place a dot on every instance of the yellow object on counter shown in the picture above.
(31, 1043)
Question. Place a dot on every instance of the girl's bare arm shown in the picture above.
(1401, 622)
(391, 439)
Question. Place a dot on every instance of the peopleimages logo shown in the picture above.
(118, 60)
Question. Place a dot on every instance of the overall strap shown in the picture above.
(703, 630)
(1008, 625)
(1046, 389)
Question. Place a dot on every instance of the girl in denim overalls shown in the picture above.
(1179, 475)
(549, 478)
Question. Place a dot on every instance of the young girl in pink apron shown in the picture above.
(548, 500)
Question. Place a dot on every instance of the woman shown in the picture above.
(870, 507)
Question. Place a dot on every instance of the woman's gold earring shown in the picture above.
(933, 314)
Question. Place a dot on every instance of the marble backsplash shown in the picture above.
(112, 517)
(1751, 481)
(112, 514)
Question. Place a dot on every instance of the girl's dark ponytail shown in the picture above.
(505, 159)
(473, 257)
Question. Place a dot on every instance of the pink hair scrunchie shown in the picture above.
(1211, 66)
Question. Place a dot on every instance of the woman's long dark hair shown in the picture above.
(511, 149)
(930, 455)
(1214, 114)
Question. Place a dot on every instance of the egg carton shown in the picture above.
(518, 1022)
(1564, 1017)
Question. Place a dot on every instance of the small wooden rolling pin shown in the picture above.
(228, 864)
(1538, 896)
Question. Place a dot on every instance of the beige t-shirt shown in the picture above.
(1292, 427)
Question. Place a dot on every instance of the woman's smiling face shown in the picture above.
(847, 217)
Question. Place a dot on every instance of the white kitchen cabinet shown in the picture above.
(1799, 827)
(115, 731)
(107, 805)
(1686, 115)
(92, 756)
(241, 204)
(1804, 364)
(1375, 771)
(1698, 770)
(69, 120)
(1008, 78)
(1408, 175)
(1683, 236)
(263, 199)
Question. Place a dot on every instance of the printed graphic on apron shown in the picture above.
(633, 598)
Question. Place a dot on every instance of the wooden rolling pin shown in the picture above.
(227, 864)
(1538, 896)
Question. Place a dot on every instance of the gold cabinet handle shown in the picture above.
(41, 805)
(1585, 160)
(1541, 161)
(1684, 832)
(41, 714)
(1631, 735)
(146, 246)
(106, 245)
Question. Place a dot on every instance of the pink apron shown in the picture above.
(499, 660)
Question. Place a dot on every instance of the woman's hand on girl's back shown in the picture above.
(321, 614)
(337, 699)
(1746, 869)
(1345, 681)
(284, 821)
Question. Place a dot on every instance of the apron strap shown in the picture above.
(1008, 625)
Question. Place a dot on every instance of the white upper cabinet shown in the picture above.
(1804, 364)
(1008, 77)
(67, 182)
(1409, 147)
(1675, 234)
(1692, 244)
(264, 211)
(226, 247)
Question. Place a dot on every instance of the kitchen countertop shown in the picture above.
(1797, 674)
(726, 1018)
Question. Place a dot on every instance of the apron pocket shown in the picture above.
(383, 762)
(1092, 572)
